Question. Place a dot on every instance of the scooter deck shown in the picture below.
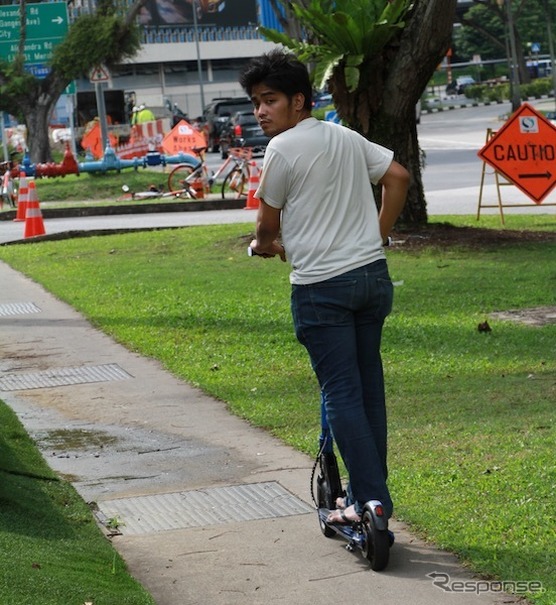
(352, 532)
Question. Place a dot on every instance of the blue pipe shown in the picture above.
(111, 161)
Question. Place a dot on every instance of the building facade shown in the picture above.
(187, 58)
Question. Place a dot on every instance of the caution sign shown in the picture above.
(524, 151)
(99, 73)
(183, 137)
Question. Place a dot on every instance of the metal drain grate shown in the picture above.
(214, 506)
(7, 309)
(63, 377)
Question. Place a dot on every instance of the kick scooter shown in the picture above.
(370, 535)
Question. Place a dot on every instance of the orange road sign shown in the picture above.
(524, 151)
(92, 141)
(183, 137)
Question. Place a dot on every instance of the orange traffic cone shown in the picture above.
(252, 201)
(34, 225)
(199, 189)
(22, 197)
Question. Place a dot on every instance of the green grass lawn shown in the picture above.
(472, 415)
(51, 550)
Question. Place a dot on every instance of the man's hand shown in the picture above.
(267, 232)
(270, 251)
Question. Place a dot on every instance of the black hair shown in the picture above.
(281, 71)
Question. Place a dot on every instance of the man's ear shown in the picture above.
(298, 101)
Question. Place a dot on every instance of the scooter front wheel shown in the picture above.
(376, 547)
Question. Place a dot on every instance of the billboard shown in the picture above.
(268, 17)
(221, 13)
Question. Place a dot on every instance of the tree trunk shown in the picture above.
(37, 110)
(38, 143)
(407, 153)
(423, 44)
(383, 106)
(523, 72)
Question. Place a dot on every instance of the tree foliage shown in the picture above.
(113, 42)
(344, 31)
(484, 30)
(107, 36)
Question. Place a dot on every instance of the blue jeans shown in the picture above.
(339, 321)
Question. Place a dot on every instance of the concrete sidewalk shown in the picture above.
(212, 510)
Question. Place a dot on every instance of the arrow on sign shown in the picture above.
(542, 175)
(58, 20)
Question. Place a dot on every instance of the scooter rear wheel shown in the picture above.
(376, 548)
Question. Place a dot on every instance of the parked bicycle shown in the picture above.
(193, 181)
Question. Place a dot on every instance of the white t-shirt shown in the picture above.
(319, 174)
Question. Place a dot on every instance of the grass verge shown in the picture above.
(49, 543)
(472, 420)
(99, 188)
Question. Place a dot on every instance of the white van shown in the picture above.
(540, 68)
(544, 67)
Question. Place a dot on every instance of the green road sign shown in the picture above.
(47, 26)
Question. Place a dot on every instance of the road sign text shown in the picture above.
(523, 153)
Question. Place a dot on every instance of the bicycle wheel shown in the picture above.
(235, 184)
(178, 180)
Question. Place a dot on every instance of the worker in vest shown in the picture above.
(143, 115)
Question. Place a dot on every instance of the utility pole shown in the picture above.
(199, 64)
(516, 95)
(514, 72)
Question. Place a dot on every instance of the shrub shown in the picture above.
(537, 88)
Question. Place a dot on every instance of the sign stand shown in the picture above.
(98, 76)
(500, 182)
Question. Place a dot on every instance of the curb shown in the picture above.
(471, 103)
(139, 208)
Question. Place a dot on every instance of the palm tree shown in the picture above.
(376, 58)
